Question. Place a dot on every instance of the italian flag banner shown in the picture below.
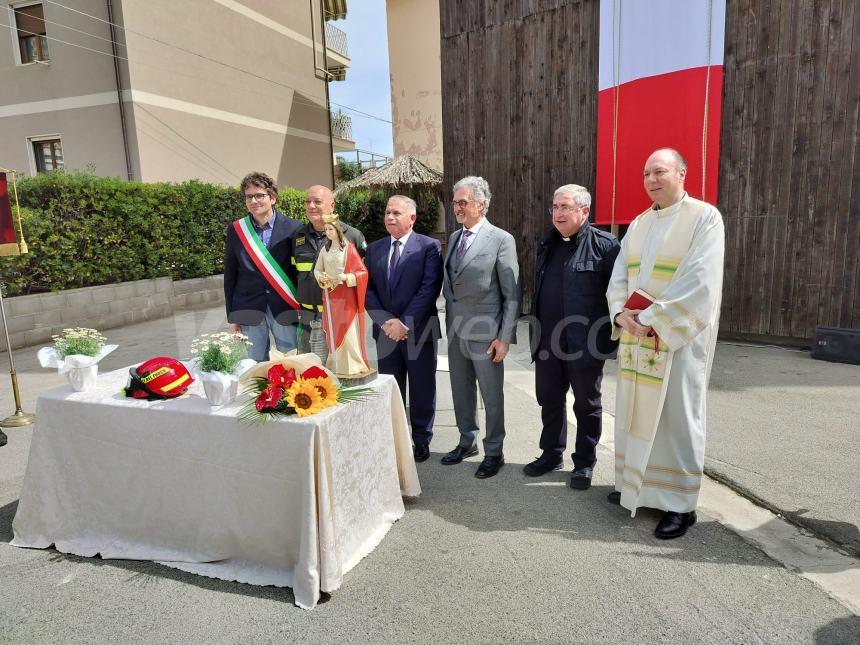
(660, 85)
(264, 261)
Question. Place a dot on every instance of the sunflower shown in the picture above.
(304, 398)
(327, 390)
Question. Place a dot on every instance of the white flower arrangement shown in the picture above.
(219, 360)
(76, 353)
(220, 351)
(80, 341)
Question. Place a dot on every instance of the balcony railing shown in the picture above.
(341, 125)
(335, 9)
(335, 40)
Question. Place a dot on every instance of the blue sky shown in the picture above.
(367, 86)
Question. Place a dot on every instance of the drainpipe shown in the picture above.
(122, 119)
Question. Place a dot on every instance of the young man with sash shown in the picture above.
(259, 280)
(673, 256)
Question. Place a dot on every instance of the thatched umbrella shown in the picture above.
(404, 175)
(402, 172)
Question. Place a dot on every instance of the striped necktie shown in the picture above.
(461, 249)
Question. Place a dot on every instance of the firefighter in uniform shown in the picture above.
(306, 246)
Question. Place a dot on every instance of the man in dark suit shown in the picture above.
(259, 280)
(405, 279)
(482, 302)
(571, 332)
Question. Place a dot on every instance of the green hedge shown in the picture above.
(84, 230)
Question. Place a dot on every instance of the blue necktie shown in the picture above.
(392, 263)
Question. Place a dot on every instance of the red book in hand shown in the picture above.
(641, 300)
(638, 300)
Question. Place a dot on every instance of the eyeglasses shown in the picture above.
(256, 197)
(462, 203)
(566, 209)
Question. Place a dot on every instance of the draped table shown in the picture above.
(290, 503)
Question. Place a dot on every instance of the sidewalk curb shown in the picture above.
(784, 515)
(794, 547)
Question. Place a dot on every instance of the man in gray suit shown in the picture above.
(482, 297)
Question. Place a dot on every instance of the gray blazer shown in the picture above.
(482, 292)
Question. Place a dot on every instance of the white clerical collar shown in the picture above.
(670, 210)
(403, 240)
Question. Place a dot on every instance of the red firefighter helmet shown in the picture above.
(161, 377)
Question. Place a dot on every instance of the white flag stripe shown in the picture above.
(658, 37)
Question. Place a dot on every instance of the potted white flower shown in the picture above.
(76, 353)
(219, 360)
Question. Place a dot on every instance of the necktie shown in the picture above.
(461, 249)
(395, 258)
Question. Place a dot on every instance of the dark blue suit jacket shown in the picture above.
(412, 296)
(246, 292)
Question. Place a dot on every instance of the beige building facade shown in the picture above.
(416, 79)
(171, 91)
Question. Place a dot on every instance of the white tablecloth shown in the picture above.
(293, 503)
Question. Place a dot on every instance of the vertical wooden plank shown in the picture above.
(836, 189)
(729, 164)
(798, 207)
(807, 264)
(766, 117)
(743, 243)
(850, 305)
(786, 97)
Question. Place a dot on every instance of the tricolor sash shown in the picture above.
(264, 261)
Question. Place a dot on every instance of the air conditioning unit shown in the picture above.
(836, 345)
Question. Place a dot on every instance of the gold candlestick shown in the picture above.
(19, 417)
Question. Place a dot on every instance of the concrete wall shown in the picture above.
(91, 138)
(416, 79)
(73, 96)
(213, 90)
(221, 98)
(197, 292)
(34, 319)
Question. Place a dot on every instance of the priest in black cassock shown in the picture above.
(571, 332)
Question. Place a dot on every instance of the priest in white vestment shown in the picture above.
(672, 255)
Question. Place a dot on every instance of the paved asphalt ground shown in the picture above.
(510, 559)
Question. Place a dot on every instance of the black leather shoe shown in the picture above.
(458, 454)
(543, 465)
(490, 466)
(421, 453)
(580, 478)
(614, 497)
(674, 524)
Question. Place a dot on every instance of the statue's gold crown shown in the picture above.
(331, 219)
